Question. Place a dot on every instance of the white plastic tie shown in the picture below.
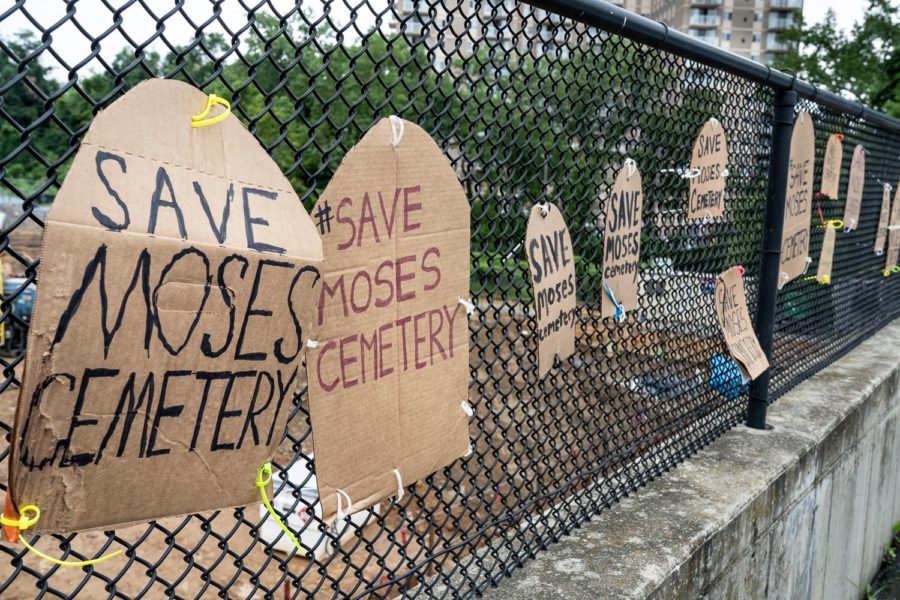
(545, 209)
(341, 513)
(691, 173)
(707, 217)
(396, 130)
(808, 262)
(724, 173)
(893, 227)
(312, 343)
(467, 408)
(469, 451)
(400, 490)
(470, 308)
(632, 166)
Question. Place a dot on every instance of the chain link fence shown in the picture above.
(528, 106)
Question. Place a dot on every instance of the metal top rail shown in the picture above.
(659, 35)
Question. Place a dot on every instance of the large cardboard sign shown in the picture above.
(831, 165)
(734, 319)
(709, 160)
(551, 263)
(884, 219)
(855, 188)
(390, 369)
(622, 241)
(798, 208)
(175, 286)
(893, 253)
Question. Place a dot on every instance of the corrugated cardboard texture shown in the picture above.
(390, 370)
(551, 263)
(893, 252)
(855, 188)
(831, 166)
(622, 241)
(798, 209)
(709, 160)
(174, 290)
(883, 219)
(734, 319)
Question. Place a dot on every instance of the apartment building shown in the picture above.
(747, 27)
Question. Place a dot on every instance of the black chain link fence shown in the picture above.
(528, 106)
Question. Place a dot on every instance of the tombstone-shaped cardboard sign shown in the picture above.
(622, 242)
(893, 252)
(798, 201)
(823, 271)
(175, 284)
(709, 160)
(389, 372)
(855, 188)
(551, 263)
(831, 165)
(884, 219)
(734, 319)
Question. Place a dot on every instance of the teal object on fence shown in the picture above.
(725, 376)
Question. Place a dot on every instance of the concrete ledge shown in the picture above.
(802, 511)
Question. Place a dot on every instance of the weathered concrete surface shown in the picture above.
(802, 511)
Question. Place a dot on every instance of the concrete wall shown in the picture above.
(801, 511)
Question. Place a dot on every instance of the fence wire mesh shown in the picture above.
(527, 106)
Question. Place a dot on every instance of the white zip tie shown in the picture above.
(545, 209)
(341, 515)
(707, 217)
(469, 451)
(691, 173)
(632, 166)
(312, 343)
(400, 490)
(470, 308)
(808, 262)
(724, 173)
(396, 130)
(467, 408)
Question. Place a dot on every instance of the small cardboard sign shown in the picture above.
(798, 201)
(622, 241)
(831, 166)
(709, 160)
(734, 319)
(883, 219)
(389, 372)
(855, 188)
(176, 283)
(823, 273)
(893, 253)
(551, 263)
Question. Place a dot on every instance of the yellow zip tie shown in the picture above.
(201, 120)
(262, 480)
(894, 269)
(836, 223)
(25, 521)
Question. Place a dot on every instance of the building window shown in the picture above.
(755, 38)
(726, 37)
(757, 17)
(729, 15)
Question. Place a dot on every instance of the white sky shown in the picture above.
(73, 46)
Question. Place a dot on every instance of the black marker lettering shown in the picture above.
(100, 158)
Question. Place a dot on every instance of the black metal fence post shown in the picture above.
(770, 256)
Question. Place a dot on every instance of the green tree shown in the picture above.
(863, 64)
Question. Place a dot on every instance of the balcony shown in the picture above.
(704, 20)
(776, 21)
(704, 35)
(785, 4)
(706, 2)
(415, 6)
(773, 44)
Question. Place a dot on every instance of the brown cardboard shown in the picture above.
(622, 241)
(734, 319)
(893, 253)
(551, 262)
(174, 292)
(883, 219)
(831, 165)
(798, 201)
(823, 273)
(390, 370)
(709, 162)
(855, 188)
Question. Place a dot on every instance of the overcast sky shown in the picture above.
(91, 15)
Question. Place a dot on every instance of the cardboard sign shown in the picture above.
(823, 274)
(622, 241)
(831, 166)
(893, 253)
(883, 219)
(734, 319)
(175, 287)
(855, 188)
(390, 369)
(798, 201)
(709, 160)
(551, 263)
